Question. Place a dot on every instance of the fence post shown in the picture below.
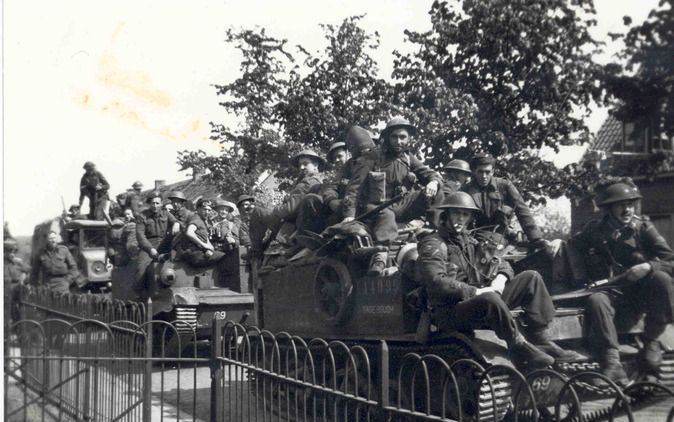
(383, 375)
(216, 371)
(147, 390)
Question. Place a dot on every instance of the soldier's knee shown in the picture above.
(598, 302)
(533, 276)
(662, 280)
(493, 299)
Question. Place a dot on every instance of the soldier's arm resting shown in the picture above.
(659, 248)
(72, 265)
(140, 237)
(431, 272)
(425, 174)
(361, 167)
(191, 234)
(523, 212)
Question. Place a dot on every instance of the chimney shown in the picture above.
(197, 173)
(158, 184)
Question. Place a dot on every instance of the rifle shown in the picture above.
(595, 286)
(379, 207)
(64, 214)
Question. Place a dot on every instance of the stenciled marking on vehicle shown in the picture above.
(541, 383)
(378, 286)
(378, 309)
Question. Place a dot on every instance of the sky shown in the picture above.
(128, 83)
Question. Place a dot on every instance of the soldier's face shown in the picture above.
(245, 207)
(205, 211)
(339, 157)
(458, 219)
(483, 174)
(623, 211)
(459, 176)
(177, 204)
(155, 205)
(52, 240)
(399, 140)
(223, 212)
(307, 166)
(128, 215)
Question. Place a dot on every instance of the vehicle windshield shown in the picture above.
(92, 239)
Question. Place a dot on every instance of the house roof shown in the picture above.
(610, 133)
(193, 189)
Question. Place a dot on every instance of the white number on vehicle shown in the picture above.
(220, 315)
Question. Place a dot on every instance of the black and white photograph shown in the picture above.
(339, 210)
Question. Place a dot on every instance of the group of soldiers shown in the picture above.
(466, 291)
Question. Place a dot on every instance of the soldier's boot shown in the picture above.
(650, 357)
(612, 369)
(542, 338)
(526, 354)
(377, 264)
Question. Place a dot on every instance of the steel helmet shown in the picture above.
(334, 147)
(398, 122)
(358, 140)
(219, 202)
(618, 192)
(458, 165)
(244, 197)
(460, 200)
(88, 165)
(295, 161)
(74, 207)
(137, 184)
(10, 245)
(176, 194)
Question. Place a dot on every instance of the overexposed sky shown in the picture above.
(127, 83)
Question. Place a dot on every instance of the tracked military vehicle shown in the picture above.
(190, 298)
(324, 293)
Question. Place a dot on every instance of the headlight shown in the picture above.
(98, 267)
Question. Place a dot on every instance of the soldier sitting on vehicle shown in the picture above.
(338, 155)
(245, 204)
(94, 186)
(309, 165)
(384, 174)
(224, 232)
(194, 246)
(180, 211)
(58, 269)
(123, 240)
(466, 292)
(323, 209)
(625, 245)
(457, 173)
(153, 228)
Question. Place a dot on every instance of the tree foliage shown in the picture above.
(505, 76)
(642, 88)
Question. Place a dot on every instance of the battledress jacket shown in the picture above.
(609, 248)
(57, 263)
(397, 169)
(496, 200)
(151, 228)
(88, 185)
(449, 269)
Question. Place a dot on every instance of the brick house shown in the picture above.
(631, 146)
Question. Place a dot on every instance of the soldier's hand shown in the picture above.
(638, 271)
(484, 290)
(431, 189)
(208, 253)
(153, 252)
(175, 229)
(334, 205)
(348, 219)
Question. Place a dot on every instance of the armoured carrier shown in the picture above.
(324, 293)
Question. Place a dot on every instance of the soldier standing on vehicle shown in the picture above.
(94, 186)
(384, 174)
(628, 246)
(152, 229)
(245, 204)
(58, 269)
(466, 292)
(498, 199)
(309, 165)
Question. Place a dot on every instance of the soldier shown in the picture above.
(15, 273)
(318, 211)
(245, 204)
(152, 229)
(74, 213)
(626, 245)
(457, 173)
(338, 155)
(465, 293)
(58, 269)
(137, 187)
(194, 246)
(94, 186)
(382, 175)
(498, 198)
(180, 211)
(225, 230)
(309, 164)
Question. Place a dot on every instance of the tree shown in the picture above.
(644, 85)
(285, 109)
(505, 76)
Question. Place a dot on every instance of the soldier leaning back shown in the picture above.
(466, 294)
(623, 243)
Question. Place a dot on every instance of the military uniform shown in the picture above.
(193, 253)
(322, 209)
(151, 233)
(88, 185)
(57, 268)
(262, 219)
(498, 200)
(610, 248)
(182, 216)
(451, 271)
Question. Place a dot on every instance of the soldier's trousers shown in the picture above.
(314, 216)
(199, 258)
(262, 219)
(492, 311)
(652, 295)
(59, 284)
(144, 259)
(412, 206)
